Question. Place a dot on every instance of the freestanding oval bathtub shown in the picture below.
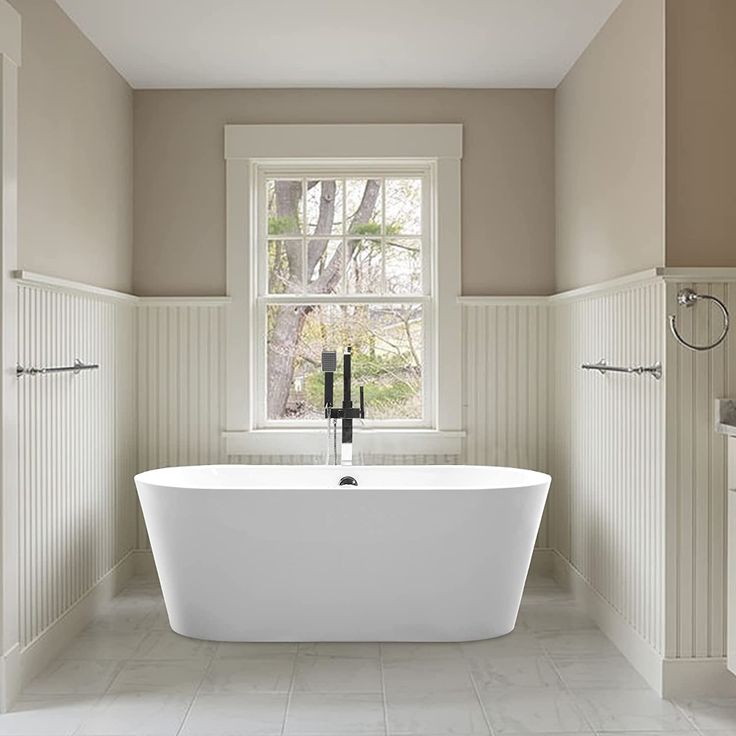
(284, 553)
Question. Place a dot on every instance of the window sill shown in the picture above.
(314, 442)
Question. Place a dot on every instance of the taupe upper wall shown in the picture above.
(701, 133)
(507, 177)
(610, 151)
(75, 205)
(605, 126)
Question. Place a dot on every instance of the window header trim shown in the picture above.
(404, 141)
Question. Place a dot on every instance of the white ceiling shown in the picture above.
(340, 43)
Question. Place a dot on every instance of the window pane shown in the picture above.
(324, 266)
(284, 206)
(403, 266)
(363, 205)
(365, 266)
(404, 206)
(284, 266)
(324, 207)
(387, 358)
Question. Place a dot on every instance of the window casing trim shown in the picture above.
(441, 430)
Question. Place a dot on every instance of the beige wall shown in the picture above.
(589, 157)
(508, 177)
(609, 150)
(75, 154)
(701, 133)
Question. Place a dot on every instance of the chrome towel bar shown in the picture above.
(655, 371)
(76, 368)
(687, 298)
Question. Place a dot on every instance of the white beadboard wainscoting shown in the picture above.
(77, 515)
(635, 522)
(506, 389)
(181, 379)
(695, 553)
(637, 511)
(607, 506)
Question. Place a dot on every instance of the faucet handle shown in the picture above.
(362, 404)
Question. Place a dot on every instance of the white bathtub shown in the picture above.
(282, 553)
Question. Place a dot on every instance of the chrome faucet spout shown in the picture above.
(346, 453)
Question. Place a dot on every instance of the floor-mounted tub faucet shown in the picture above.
(348, 412)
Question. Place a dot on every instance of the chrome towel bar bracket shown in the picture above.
(687, 298)
(655, 371)
(76, 368)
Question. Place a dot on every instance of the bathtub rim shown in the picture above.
(535, 478)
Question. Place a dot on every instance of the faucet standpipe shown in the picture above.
(348, 412)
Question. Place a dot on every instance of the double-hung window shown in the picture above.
(344, 257)
(329, 247)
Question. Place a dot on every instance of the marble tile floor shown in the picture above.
(128, 674)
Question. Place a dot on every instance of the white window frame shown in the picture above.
(251, 151)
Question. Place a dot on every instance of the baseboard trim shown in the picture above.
(143, 563)
(629, 642)
(706, 676)
(10, 681)
(542, 561)
(671, 678)
(20, 666)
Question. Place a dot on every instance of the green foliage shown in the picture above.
(389, 381)
(366, 229)
(285, 225)
(373, 229)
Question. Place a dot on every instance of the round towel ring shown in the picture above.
(687, 298)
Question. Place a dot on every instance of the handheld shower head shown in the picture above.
(329, 361)
(329, 366)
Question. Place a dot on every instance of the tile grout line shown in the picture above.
(685, 715)
(483, 710)
(198, 689)
(289, 695)
(384, 699)
(118, 669)
(575, 697)
(567, 688)
(120, 666)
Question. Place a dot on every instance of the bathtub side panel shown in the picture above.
(337, 565)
